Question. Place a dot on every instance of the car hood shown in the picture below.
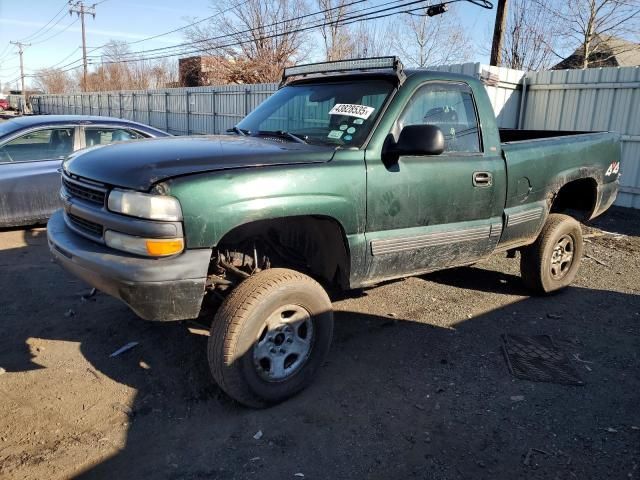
(139, 165)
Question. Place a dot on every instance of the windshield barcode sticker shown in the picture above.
(360, 111)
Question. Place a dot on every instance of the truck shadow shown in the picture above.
(480, 279)
(399, 397)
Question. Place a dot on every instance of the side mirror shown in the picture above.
(420, 140)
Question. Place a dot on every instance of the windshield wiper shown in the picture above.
(283, 134)
(239, 131)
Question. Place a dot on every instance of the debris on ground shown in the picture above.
(258, 435)
(144, 365)
(69, 313)
(598, 261)
(517, 398)
(123, 349)
(87, 296)
(92, 372)
(527, 458)
(198, 331)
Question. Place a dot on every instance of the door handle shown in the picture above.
(482, 179)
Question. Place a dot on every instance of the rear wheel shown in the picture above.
(552, 262)
(270, 336)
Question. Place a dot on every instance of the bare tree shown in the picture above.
(338, 41)
(163, 73)
(120, 70)
(597, 26)
(52, 80)
(115, 74)
(424, 40)
(371, 39)
(259, 38)
(531, 35)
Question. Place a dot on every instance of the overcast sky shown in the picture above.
(129, 21)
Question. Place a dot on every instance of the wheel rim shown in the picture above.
(562, 257)
(284, 344)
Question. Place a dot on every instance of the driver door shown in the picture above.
(29, 174)
(427, 212)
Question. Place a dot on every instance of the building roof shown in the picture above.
(608, 51)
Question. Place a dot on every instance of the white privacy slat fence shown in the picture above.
(594, 99)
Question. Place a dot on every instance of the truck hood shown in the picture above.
(140, 164)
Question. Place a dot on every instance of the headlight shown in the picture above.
(150, 247)
(144, 205)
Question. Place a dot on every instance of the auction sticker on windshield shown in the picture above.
(360, 111)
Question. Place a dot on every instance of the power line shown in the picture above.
(268, 26)
(65, 59)
(345, 21)
(310, 25)
(175, 48)
(246, 31)
(215, 15)
(5, 52)
(38, 32)
(57, 33)
(232, 7)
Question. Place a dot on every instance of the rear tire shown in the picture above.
(552, 262)
(270, 336)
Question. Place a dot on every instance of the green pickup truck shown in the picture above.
(351, 174)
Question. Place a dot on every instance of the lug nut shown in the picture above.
(273, 350)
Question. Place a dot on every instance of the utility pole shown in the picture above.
(498, 33)
(81, 9)
(21, 46)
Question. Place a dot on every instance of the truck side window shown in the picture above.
(449, 106)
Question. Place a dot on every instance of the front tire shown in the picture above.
(270, 336)
(552, 262)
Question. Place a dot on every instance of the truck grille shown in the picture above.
(84, 191)
(86, 226)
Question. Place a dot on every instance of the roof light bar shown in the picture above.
(375, 63)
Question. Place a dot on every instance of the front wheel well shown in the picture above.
(315, 245)
(577, 198)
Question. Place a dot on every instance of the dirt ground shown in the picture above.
(416, 385)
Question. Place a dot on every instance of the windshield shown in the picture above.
(336, 113)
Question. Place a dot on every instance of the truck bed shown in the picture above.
(540, 162)
(509, 135)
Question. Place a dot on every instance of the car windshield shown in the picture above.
(328, 113)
